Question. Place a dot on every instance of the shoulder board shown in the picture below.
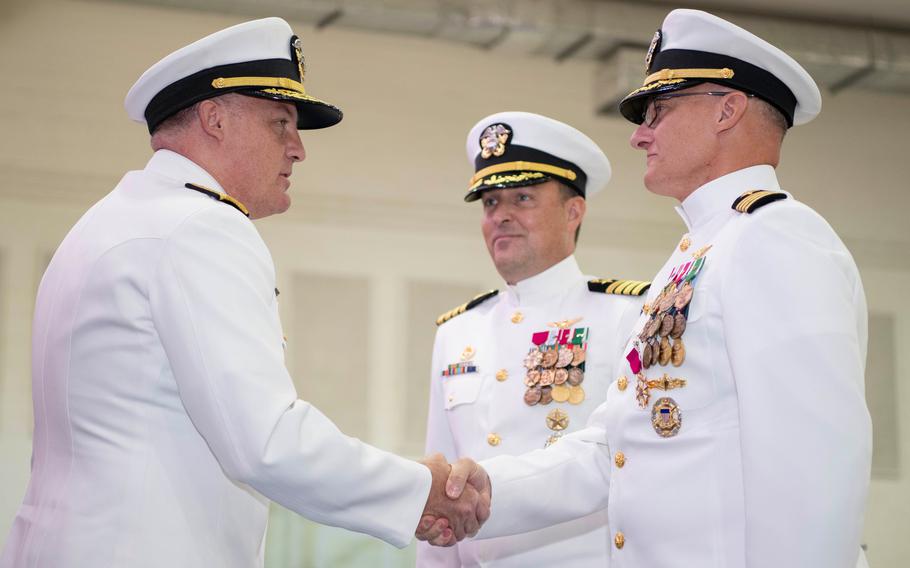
(623, 287)
(465, 307)
(218, 196)
(750, 201)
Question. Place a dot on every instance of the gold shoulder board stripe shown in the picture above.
(222, 197)
(751, 201)
(476, 301)
(619, 287)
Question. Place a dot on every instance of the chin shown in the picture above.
(657, 185)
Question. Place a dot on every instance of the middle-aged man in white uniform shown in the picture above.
(746, 441)
(165, 418)
(516, 369)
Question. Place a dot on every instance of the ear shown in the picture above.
(732, 109)
(211, 117)
(575, 211)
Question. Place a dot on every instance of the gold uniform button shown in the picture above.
(493, 439)
(620, 540)
(619, 459)
(622, 383)
(517, 317)
(502, 375)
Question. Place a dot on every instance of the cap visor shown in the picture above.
(475, 193)
(312, 113)
(633, 106)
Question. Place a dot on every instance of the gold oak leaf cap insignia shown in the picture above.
(620, 287)
(476, 301)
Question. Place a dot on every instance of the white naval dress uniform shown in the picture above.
(770, 466)
(466, 409)
(165, 418)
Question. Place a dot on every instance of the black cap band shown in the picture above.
(746, 77)
(524, 159)
(198, 86)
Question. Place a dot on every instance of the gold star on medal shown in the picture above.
(557, 420)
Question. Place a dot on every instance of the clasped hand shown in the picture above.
(459, 501)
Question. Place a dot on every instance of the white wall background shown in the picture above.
(378, 240)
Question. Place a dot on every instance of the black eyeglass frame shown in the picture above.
(668, 96)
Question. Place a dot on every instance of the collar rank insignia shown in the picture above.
(751, 201)
(222, 197)
(621, 287)
(465, 307)
(494, 140)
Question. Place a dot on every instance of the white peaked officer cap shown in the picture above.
(693, 47)
(262, 58)
(515, 149)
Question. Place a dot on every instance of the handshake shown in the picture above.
(459, 501)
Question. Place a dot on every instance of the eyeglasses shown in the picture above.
(652, 111)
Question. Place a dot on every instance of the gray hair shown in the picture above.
(180, 120)
(772, 117)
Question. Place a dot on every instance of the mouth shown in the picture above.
(500, 238)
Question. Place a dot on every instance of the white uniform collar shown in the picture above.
(718, 195)
(554, 280)
(181, 169)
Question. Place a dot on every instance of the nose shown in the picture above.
(641, 137)
(501, 213)
(296, 151)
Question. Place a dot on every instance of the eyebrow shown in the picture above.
(286, 110)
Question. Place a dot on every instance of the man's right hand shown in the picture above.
(458, 504)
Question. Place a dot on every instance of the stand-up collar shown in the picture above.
(554, 280)
(718, 195)
(181, 169)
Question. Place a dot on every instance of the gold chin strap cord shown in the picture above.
(282, 82)
(665, 74)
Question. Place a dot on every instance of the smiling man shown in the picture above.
(165, 418)
(515, 370)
